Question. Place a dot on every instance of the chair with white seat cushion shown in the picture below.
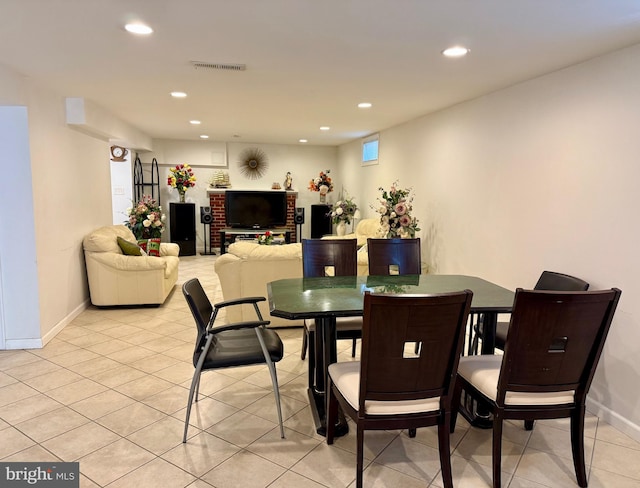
(411, 346)
(552, 350)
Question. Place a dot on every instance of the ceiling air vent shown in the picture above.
(225, 66)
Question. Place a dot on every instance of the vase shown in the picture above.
(323, 197)
(341, 228)
(182, 193)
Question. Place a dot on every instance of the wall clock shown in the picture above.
(118, 153)
(253, 163)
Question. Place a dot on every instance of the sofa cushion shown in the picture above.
(102, 239)
(150, 246)
(130, 248)
(252, 250)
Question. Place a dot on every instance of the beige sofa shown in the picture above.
(117, 279)
(246, 269)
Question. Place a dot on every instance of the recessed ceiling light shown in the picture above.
(204, 136)
(364, 105)
(456, 51)
(177, 94)
(302, 140)
(325, 127)
(137, 28)
(194, 122)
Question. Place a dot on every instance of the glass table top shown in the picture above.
(300, 298)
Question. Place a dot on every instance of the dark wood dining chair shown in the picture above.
(392, 386)
(394, 256)
(229, 345)
(549, 280)
(554, 343)
(329, 257)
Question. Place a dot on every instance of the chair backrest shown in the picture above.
(392, 367)
(550, 280)
(329, 257)
(200, 307)
(394, 256)
(555, 340)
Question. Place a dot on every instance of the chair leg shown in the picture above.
(444, 443)
(332, 412)
(276, 392)
(455, 405)
(577, 445)
(194, 383)
(497, 449)
(353, 348)
(528, 424)
(305, 342)
(272, 371)
(359, 456)
(412, 433)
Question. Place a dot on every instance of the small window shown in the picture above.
(370, 150)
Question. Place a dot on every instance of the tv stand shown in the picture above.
(229, 235)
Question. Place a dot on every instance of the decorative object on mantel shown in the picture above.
(288, 181)
(322, 184)
(253, 163)
(276, 186)
(341, 214)
(395, 212)
(220, 179)
(181, 177)
(146, 219)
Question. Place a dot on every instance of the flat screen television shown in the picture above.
(255, 209)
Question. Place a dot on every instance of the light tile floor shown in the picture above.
(110, 392)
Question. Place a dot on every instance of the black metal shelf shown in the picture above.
(138, 179)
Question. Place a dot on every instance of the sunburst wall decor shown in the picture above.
(253, 163)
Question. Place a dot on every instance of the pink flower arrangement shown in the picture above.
(395, 208)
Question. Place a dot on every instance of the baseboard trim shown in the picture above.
(614, 419)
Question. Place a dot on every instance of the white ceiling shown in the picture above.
(308, 62)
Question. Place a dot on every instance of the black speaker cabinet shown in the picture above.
(320, 220)
(183, 227)
(206, 217)
(298, 216)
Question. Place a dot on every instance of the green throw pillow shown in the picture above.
(130, 248)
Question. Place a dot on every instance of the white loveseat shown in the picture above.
(117, 279)
(246, 268)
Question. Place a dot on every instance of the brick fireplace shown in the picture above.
(216, 202)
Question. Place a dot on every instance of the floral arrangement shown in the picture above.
(395, 208)
(343, 211)
(146, 219)
(181, 177)
(265, 239)
(323, 179)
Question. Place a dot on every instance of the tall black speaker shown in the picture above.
(183, 227)
(320, 220)
(298, 216)
(206, 217)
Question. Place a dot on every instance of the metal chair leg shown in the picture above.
(274, 378)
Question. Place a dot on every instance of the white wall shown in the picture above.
(304, 162)
(69, 199)
(19, 324)
(542, 175)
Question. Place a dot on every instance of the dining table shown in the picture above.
(324, 299)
